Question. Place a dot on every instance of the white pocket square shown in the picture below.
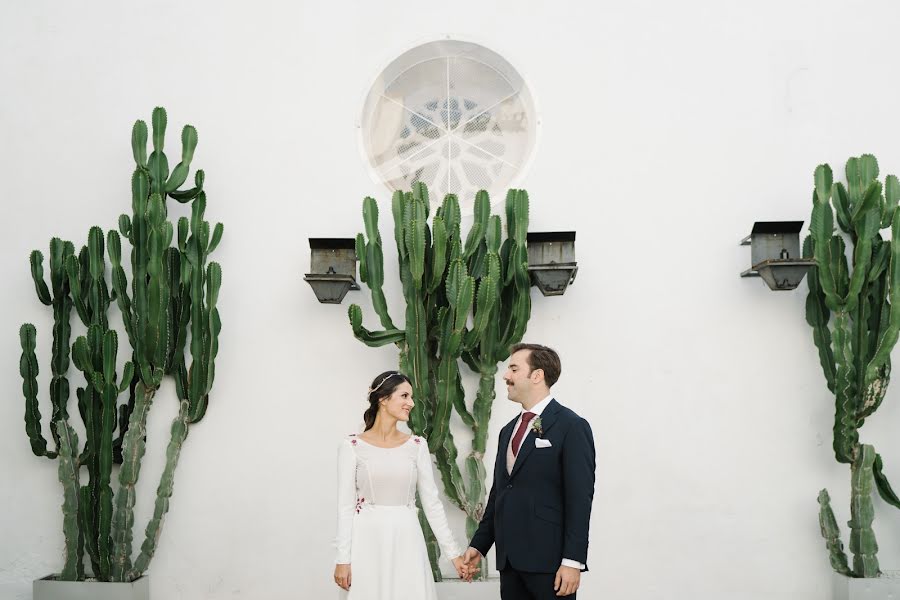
(541, 443)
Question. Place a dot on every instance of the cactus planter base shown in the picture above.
(872, 588)
(51, 588)
(455, 589)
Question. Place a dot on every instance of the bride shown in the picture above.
(381, 552)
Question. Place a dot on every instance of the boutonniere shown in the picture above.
(536, 427)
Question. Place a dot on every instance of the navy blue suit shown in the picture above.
(539, 513)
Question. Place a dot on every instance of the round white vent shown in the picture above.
(454, 115)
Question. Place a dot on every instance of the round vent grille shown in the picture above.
(454, 115)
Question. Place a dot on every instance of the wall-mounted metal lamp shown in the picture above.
(333, 266)
(551, 261)
(775, 254)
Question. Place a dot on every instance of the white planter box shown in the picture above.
(456, 589)
(50, 588)
(886, 587)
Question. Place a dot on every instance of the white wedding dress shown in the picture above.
(378, 530)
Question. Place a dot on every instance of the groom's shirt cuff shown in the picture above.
(572, 563)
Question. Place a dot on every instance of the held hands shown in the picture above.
(467, 564)
(342, 575)
(567, 581)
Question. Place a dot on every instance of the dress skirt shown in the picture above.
(388, 558)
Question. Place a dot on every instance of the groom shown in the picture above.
(539, 509)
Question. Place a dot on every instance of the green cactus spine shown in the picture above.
(465, 301)
(864, 298)
(174, 292)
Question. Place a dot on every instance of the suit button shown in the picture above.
(509, 486)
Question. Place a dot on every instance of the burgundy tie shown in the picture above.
(520, 432)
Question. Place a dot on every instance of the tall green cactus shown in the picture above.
(864, 297)
(466, 301)
(174, 292)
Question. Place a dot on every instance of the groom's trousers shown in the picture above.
(521, 585)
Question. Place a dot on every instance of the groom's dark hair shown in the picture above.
(543, 358)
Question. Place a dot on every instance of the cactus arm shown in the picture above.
(73, 570)
(842, 207)
(184, 196)
(108, 416)
(439, 255)
(854, 183)
(415, 241)
(822, 229)
(832, 535)
(218, 230)
(447, 385)
(28, 369)
(139, 143)
(199, 320)
(398, 209)
(212, 325)
(451, 476)
(884, 486)
(891, 196)
(375, 262)
(888, 339)
(59, 254)
(158, 164)
(125, 227)
(846, 435)
(120, 282)
(361, 257)
(866, 224)
(159, 239)
(180, 172)
(417, 358)
(863, 544)
(372, 338)
(482, 209)
(133, 448)
(87, 355)
(484, 306)
(817, 316)
(163, 493)
(873, 325)
(139, 258)
(868, 168)
(881, 259)
(36, 260)
(74, 274)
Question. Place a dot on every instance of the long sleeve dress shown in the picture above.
(378, 530)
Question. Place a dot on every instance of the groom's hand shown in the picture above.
(567, 581)
(471, 558)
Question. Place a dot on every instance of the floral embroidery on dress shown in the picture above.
(417, 439)
(359, 502)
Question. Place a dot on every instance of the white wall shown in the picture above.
(668, 128)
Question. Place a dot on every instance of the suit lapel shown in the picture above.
(548, 418)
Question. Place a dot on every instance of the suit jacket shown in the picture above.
(539, 513)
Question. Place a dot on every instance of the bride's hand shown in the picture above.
(342, 575)
(463, 569)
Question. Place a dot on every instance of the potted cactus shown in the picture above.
(863, 297)
(169, 309)
(466, 301)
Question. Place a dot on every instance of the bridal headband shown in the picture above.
(386, 377)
